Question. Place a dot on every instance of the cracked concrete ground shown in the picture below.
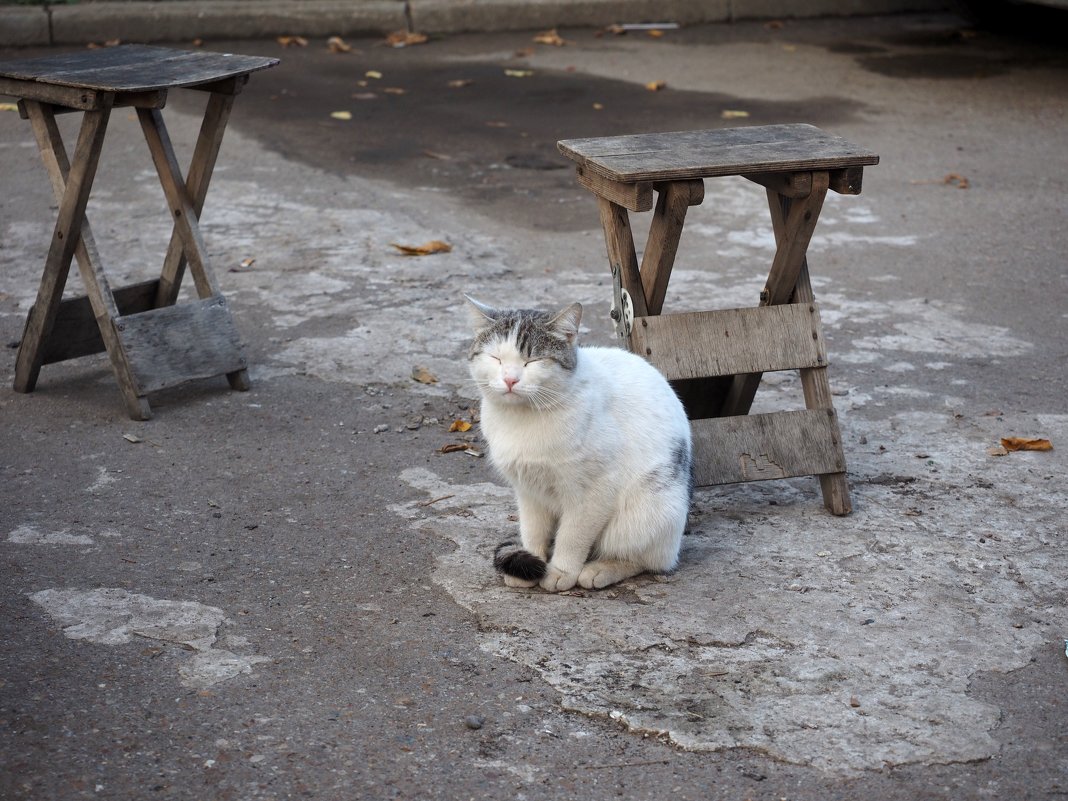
(288, 592)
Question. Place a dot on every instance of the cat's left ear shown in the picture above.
(482, 316)
(566, 323)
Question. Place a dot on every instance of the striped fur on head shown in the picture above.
(537, 334)
(512, 559)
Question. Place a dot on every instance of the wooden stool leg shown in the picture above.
(793, 221)
(814, 382)
(97, 289)
(185, 214)
(201, 167)
(672, 203)
(619, 241)
(65, 240)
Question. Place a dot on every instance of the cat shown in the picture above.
(595, 444)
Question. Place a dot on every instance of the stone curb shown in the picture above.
(186, 20)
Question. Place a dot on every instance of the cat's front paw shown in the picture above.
(557, 580)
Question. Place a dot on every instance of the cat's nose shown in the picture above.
(510, 381)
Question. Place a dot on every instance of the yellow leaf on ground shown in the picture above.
(733, 114)
(372, 74)
(423, 376)
(459, 425)
(341, 115)
(656, 86)
(9, 106)
(655, 33)
(956, 180)
(1024, 444)
(519, 73)
(433, 246)
(292, 41)
(335, 44)
(550, 37)
(460, 83)
(405, 38)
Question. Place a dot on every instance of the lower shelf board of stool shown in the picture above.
(76, 332)
(756, 447)
(171, 345)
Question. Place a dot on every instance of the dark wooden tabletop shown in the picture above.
(724, 151)
(133, 68)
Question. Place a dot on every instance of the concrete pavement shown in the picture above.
(288, 593)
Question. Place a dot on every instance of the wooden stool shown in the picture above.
(152, 342)
(715, 359)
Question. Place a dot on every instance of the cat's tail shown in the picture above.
(514, 560)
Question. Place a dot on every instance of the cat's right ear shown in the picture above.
(482, 316)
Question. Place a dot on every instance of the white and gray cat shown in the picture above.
(595, 443)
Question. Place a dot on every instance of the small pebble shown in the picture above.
(381, 428)
(474, 721)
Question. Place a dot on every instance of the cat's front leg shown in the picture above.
(536, 527)
(575, 536)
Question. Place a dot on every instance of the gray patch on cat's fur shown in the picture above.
(533, 333)
(679, 470)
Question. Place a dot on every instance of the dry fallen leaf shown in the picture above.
(433, 246)
(550, 37)
(246, 263)
(1024, 444)
(655, 33)
(656, 86)
(460, 83)
(423, 376)
(733, 114)
(598, 106)
(197, 43)
(9, 106)
(292, 41)
(519, 73)
(363, 96)
(394, 90)
(459, 425)
(957, 180)
(373, 74)
(132, 438)
(335, 44)
(341, 115)
(405, 38)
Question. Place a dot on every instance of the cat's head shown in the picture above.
(523, 356)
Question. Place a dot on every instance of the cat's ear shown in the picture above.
(566, 322)
(481, 315)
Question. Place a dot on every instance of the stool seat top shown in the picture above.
(132, 68)
(725, 151)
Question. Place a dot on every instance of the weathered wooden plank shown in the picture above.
(757, 447)
(76, 331)
(636, 197)
(732, 341)
(132, 68)
(157, 99)
(169, 346)
(727, 151)
(66, 96)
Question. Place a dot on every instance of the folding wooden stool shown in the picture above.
(715, 359)
(152, 342)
